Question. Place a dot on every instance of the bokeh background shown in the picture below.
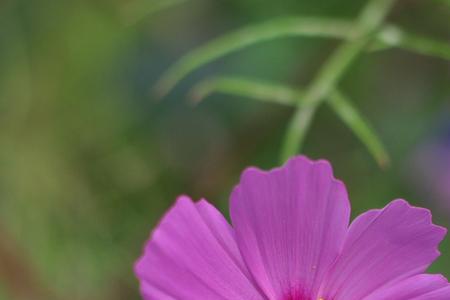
(90, 160)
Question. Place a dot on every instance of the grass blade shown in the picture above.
(360, 127)
(369, 20)
(389, 36)
(244, 87)
(229, 43)
(276, 93)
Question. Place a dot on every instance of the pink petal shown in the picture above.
(418, 287)
(193, 255)
(290, 224)
(383, 247)
(441, 294)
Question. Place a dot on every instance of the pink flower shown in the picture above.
(290, 239)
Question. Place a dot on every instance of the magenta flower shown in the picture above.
(290, 239)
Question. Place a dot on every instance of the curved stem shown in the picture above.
(330, 73)
(284, 27)
(388, 37)
(276, 93)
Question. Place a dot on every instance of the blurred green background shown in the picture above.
(89, 160)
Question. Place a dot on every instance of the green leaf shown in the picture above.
(276, 93)
(251, 88)
(247, 36)
(360, 127)
(332, 70)
(387, 37)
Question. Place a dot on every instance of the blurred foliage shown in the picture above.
(90, 160)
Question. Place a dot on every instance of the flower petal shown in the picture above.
(441, 294)
(290, 224)
(193, 255)
(383, 247)
(415, 287)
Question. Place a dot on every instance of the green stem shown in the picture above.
(393, 36)
(360, 127)
(387, 37)
(284, 27)
(370, 19)
(270, 92)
